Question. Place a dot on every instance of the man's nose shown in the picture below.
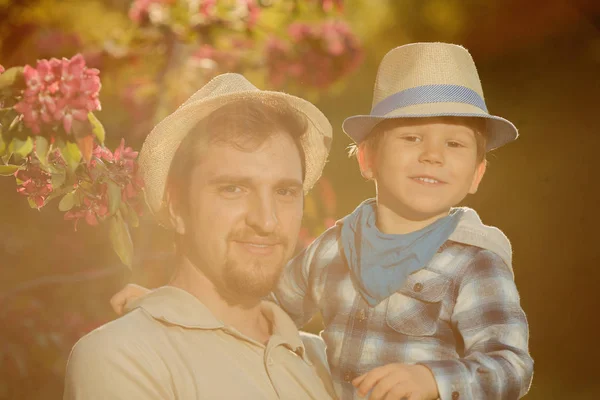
(262, 214)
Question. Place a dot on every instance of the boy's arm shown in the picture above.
(300, 287)
(496, 362)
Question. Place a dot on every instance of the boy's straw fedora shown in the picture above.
(161, 144)
(429, 80)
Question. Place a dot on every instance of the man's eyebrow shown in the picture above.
(290, 182)
(230, 179)
(248, 181)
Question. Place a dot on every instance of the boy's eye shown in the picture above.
(455, 144)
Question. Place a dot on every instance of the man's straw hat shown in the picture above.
(161, 144)
(429, 80)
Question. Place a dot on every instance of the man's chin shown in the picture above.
(255, 281)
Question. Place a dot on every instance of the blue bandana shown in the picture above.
(380, 262)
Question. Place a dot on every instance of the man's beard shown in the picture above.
(254, 279)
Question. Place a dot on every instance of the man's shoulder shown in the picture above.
(135, 330)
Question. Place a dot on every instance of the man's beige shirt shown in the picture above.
(170, 346)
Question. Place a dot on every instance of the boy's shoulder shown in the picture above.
(471, 231)
(459, 261)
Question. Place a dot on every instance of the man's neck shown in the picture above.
(243, 314)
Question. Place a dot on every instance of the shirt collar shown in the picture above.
(179, 307)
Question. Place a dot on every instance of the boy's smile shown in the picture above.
(423, 167)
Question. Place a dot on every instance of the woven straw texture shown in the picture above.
(161, 144)
(420, 65)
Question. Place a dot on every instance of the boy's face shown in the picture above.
(422, 167)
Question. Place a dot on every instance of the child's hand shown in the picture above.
(398, 381)
(129, 293)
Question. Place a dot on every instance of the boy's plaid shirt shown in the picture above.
(460, 316)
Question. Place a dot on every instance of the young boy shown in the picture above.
(417, 297)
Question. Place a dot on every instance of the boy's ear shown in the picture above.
(365, 161)
(478, 176)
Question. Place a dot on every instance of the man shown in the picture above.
(227, 171)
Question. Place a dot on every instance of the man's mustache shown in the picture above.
(259, 239)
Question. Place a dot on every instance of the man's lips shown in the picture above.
(258, 246)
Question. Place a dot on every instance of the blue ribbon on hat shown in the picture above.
(429, 94)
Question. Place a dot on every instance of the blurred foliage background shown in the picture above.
(539, 63)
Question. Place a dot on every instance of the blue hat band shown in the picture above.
(428, 94)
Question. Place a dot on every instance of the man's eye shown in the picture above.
(230, 189)
(287, 192)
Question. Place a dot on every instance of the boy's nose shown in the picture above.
(432, 154)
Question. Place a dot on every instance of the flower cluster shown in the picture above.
(118, 167)
(34, 182)
(318, 55)
(58, 91)
(330, 5)
(237, 14)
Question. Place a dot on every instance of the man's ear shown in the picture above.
(478, 176)
(177, 221)
(365, 161)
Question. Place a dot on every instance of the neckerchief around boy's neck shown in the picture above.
(380, 262)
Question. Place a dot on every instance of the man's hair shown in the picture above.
(244, 124)
(371, 142)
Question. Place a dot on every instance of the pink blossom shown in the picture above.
(253, 13)
(1, 69)
(36, 183)
(319, 55)
(95, 207)
(140, 8)
(207, 7)
(58, 91)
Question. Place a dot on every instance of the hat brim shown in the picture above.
(499, 131)
(163, 141)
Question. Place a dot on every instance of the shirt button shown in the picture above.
(418, 287)
(455, 395)
(348, 376)
(362, 315)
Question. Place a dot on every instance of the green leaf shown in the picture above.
(67, 202)
(20, 147)
(120, 239)
(2, 144)
(71, 154)
(129, 215)
(41, 149)
(8, 77)
(32, 203)
(58, 178)
(97, 127)
(8, 170)
(114, 197)
(14, 123)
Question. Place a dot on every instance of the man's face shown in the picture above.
(245, 214)
(424, 168)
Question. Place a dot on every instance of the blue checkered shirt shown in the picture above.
(460, 316)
